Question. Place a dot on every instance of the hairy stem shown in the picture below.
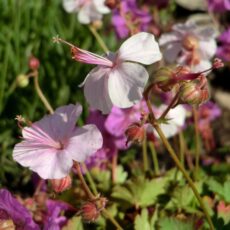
(154, 157)
(197, 141)
(99, 39)
(144, 154)
(40, 93)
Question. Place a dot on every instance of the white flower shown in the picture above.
(119, 79)
(175, 120)
(88, 10)
(189, 44)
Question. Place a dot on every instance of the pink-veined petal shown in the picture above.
(84, 142)
(96, 89)
(126, 84)
(54, 128)
(49, 163)
(141, 48)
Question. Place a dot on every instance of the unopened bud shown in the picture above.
(191, 93)
(90, 211)
(190, 42)
(112, 4)
(34, 63)
(135, 133)
(22, 80)
(218, 63)
(60, 185)
(164, 78)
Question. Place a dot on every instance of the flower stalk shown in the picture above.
(154, 157)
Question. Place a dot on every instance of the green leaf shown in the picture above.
(140, 191)
(223, 212)
(121, 175)
(174, 224)
(221, 190)
(74, 223)
(142, 221)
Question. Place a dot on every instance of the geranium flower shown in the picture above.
(218, 5)
(111, 142)
(50, 145)
(118, 79)
(189, 44)
(11, 209)
(88, 10)
(223, 50)
(130, 15)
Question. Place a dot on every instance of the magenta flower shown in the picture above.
(118, 79)
(218, 5)
(88, 10)
(111, 142)
(130, 13)
(189, 44)
(223, 50)
(11, 209)
(50, 145)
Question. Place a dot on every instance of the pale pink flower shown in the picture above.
(189, 44)
(119, 79)
(50, 145)
(88, 10)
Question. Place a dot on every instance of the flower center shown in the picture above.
(190, 42)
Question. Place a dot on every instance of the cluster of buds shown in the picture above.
(22, 80)
(192, 87)
(91, 210)
(60, 185)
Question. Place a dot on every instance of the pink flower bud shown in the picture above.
(60, 185)
(218, 63)
(34, 63)
(193, 92)
(112, 4)
(135, 133)
(90, 211)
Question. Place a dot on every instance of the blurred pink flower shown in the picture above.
(140, 19)
(219, 5)
(111, 142)
(223, 50)
(118, 79)
(189, 44)
(50, 145)
(88, 10)
(11, 209)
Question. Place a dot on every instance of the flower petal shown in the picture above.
(96, 89)
(53, 128)
(207, 48)
(84, 142)
(71, 5)
(49, 163)
(141, 48)
(101, 7)
(126, 83)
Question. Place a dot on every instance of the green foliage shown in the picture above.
(74, 223)
(222, 190)
(174, 224)
(140, 192)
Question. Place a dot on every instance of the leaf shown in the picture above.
(174, 224)
(74, 223)
(221, 190)
(141, 221)
(223, 212)
(121, 174)
(140, 191)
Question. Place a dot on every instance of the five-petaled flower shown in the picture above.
(50, 145)
(118, 79)
(88, 10)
